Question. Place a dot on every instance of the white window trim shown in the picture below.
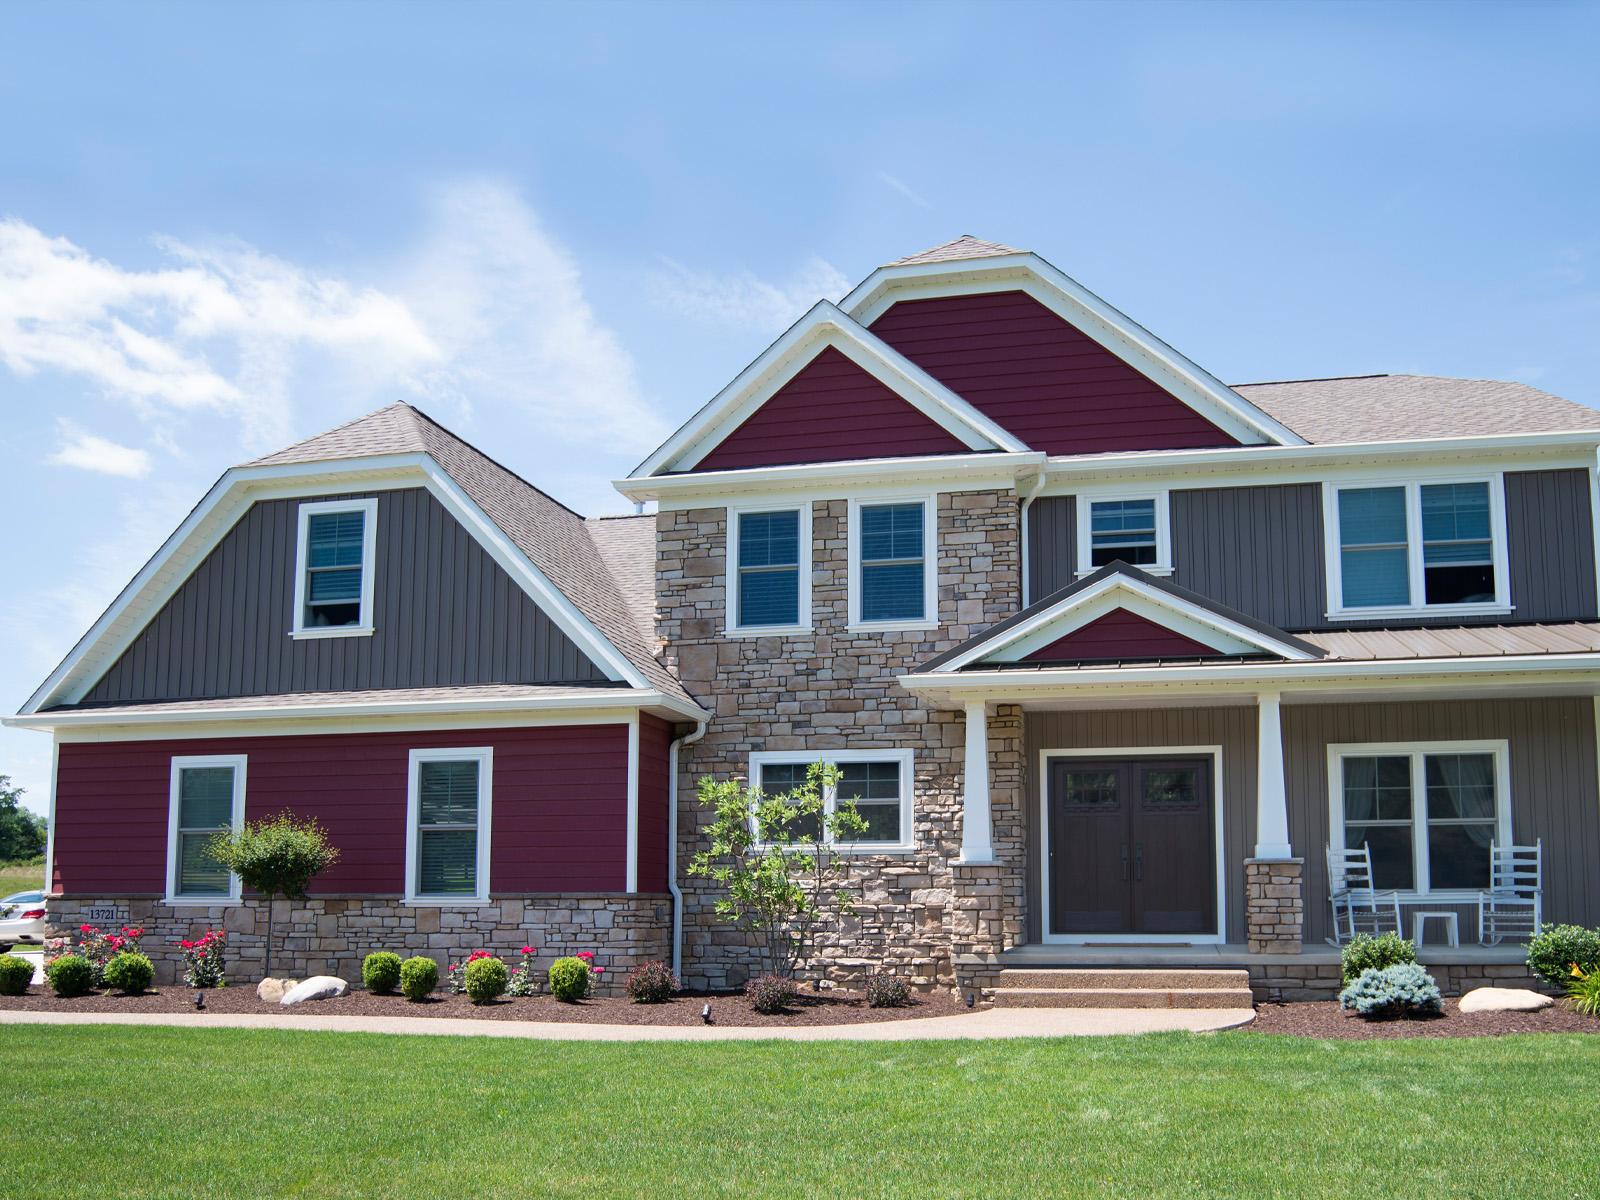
(731, 626)
(1418, 752)
(179, 763)
(930, 562)
(905, 759)
(369, 543)
(1500, 606)
(484, 757)
(1087, 497)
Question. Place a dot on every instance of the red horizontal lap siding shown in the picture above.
(655, 742)
(1053, 386)
(831, 410)
(1121, 634)
(558, 822)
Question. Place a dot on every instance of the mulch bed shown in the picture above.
(1325, 1019)
(833, 1007)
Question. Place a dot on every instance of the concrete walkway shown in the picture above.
(994, 1023)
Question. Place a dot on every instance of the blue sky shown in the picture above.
(559, 230)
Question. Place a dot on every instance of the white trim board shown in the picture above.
(1121, 753)
(181, 762)
(484, 757)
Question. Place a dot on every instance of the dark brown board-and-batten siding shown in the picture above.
(446, 615)
(1555, 794)
(1259, 549)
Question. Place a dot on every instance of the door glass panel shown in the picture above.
(1171, 789)
(1087, 789)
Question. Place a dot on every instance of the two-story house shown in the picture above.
(1108, 653)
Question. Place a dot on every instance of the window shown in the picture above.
(1428, 815)
(207, 798)
(1417, 546)
(1122, 528)
(447, 845)
(334, 565)
(769, 570)
(878, 781)
(892, 567)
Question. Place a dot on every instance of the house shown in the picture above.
(1107, 652)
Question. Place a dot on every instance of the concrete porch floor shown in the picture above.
(1235, 954)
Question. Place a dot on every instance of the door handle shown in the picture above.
(1124, 862)
(1138, 862)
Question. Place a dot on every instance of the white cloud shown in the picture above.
(744, 299)
(91, 452)
(904, 189)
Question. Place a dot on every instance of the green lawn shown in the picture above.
(165, 1112)
(18, 877)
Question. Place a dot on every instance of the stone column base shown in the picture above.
(1274, 907)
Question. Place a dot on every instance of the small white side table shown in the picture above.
(1452, 926)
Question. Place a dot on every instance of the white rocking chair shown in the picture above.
(1514, 904)
(1357, 906)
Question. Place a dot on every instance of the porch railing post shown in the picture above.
(1272, 800)
(977, 836)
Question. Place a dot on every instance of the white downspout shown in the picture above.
(1034, 489)
(672, 842)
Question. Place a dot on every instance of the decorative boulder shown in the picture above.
(272, 988)
(1494, 999)
(318, 987)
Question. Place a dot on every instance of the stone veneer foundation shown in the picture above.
(329, 935)
(1274, 908)
(835, 688)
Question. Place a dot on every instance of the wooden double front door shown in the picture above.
(1132, 846)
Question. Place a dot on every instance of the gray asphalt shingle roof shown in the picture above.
(965, 246)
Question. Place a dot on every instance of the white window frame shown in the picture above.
(1413, 485)
(179, 764)
(731, 626)
(1082, 505)
(1418, 752)
(484, 757)
(369, 543)
(905, 759)
(930, 562)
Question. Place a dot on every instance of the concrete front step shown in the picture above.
(1162, 979)
(1029, 997)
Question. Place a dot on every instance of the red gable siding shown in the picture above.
(1121, 634)
(831, 410)
(1057, 389)
(559, 817)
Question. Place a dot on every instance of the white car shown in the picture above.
(21, 919)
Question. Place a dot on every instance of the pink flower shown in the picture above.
(86, 929)
(585, 954)
(529, 950)
(599, 970)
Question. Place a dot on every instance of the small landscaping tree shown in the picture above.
(277, 856)
(774, 856)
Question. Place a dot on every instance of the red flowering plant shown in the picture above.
(96, 946)
(456, 982)
(523, 981)
(204, 965)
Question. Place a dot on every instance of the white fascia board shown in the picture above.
(951, 472)
(823, 326)
(1097, 319)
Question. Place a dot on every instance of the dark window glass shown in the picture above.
(205, 809)
(769, 569)
(333, 568)
(1377, 812)
(1122, 529)
(1457, 550)
(875, 788)
(447, 828)
(1461, 819)
(780, 778)
(892, 562)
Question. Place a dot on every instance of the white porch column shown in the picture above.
(1272, 800)
(977, 837)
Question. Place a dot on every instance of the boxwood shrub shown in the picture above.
(1367, 953)
(486, 980)
(1553, 953)
(16, 973)
(380, 972)
(419, 975)
(129, 972)
(569, 979)
(70, 975)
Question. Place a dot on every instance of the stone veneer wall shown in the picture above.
(1272, 982)
(1274, 909)
(329, 935)
(836, 689)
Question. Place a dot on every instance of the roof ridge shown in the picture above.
(964, 246)
(1323, 379)
(322, 433)
(456, 437)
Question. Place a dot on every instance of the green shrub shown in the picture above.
(1558, 948)
(380, 971)
(418, 976)
(15, 975)
(1583, 989)
(1368, 953)
(1402, 990)
(486, 980)
(70, 975)
(651, 983)
(129, 972)
(569, 979)
(771, 994)
(887, 991)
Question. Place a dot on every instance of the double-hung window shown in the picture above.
(1427, 814)
(769, 570)
(1416, 547)
(893, 567)
(207, 798)
(1130, 529)
(447, 828)
(878, 782)
(334, 568)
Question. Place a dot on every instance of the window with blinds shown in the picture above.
(333, 588)
(1418, 546)
(207, 799)
(447, 836)
(768, 569)
(892, 564)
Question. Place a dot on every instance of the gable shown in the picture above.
(445, 614)
(831, 410)
(1040, 377)
(1121, 636)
